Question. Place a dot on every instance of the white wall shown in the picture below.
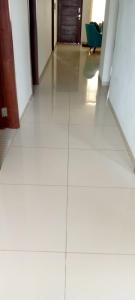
(44, 24)
(109, 35)
(122, 87)
(20, 31)
(86, 17)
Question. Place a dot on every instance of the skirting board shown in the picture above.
(29, 100)
(103, 83)
(125, 140)
(35, 87)
(46, 65)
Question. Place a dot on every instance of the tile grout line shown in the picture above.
(69, 185)
(68, 252)
(71, 148)
(67, 204)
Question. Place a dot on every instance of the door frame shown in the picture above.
(80, 33)
(8, 94)
(52, 25)
(32, 7)
(58, 23)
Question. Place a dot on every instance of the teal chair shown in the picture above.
(94, 37)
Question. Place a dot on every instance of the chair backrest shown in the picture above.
(97, 26)
(93, 36)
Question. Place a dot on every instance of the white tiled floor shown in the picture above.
(67, 192)
(6, 138)
(101, 220)
(95, 137)
(32, 276)
(100, 277)
(29, 215)
(50, 135)
(100, 168)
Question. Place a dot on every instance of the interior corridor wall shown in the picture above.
(109, 36)
(44, 24)
(122, 86)
(20, 32)
(86, 17)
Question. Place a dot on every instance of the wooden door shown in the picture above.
(69, 21)
(9, 117)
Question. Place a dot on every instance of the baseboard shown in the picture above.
(30, 98)
(131, 155)
(44, 69)
(35, 87)
(103, 83)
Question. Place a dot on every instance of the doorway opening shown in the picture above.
(9, 116)
(69, 21)
(33, 41)
(98, 11)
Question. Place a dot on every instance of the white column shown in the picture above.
(109, 35)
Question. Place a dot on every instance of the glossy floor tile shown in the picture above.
(100, 277)
(6, 139)
(95, 137)
(40, 135)
(35, 166)
(39, 114)
(101, 220)
(32, 218)
(67, 191)
(100, 169)
(51, 99)
(32, 276)
(91, 115)
(47, 107)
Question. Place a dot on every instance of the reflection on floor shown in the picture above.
(67, 192)
(6, 137)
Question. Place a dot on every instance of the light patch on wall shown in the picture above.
(98, 11)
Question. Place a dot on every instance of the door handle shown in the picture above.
(79, 17)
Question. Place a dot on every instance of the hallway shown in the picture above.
(67, 192)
